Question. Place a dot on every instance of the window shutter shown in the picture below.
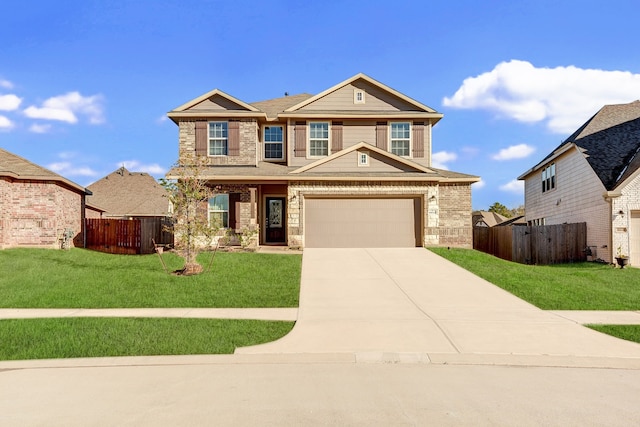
(336, 137)
(381, 135)
(234, 139)
(300, 131)
(418, 139)
(234, 211)
(202, 138)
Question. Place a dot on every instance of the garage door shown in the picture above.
(362, 223)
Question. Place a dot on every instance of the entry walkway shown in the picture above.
(411, 302)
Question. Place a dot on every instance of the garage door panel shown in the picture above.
(361, 222)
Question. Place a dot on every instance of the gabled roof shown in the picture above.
(360, 76)
(189, 109)
(358, 146)
(491, 219)
(16, 167)
(610, 142)
(124, 193)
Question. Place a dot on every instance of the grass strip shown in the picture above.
(579, 286)
(55, 338)
(626, 332)
(79, 278)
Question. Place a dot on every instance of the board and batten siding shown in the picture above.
(578, 197)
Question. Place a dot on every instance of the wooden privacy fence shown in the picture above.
(126, 236)
(537, 244)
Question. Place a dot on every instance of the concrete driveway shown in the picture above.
(397, 304)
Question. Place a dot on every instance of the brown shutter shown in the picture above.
(300, 131)
(234, 211)
(202, 138)
(418, 139)
(234, 139)
(336, 137)
(381, 135)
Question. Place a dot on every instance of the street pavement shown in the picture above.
(383, 337)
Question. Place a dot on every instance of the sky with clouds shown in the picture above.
(85, 85)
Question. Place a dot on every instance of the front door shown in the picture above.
(275, 220)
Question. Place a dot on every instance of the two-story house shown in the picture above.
(593, 177)
(348, 167)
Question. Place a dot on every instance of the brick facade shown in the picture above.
(37, 213)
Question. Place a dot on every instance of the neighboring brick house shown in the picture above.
(127, 195)
(348, 167)
(37, 206)
(593, 177)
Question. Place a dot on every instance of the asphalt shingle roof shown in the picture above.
(611, 142)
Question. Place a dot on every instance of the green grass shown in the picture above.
(78, 278)
(100, 337)
(626, 332)
(579, 286)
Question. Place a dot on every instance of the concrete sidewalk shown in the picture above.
(285, 314)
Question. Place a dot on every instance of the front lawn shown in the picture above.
(626, 332)
(79, 278)
(579, 286)
(107, 337)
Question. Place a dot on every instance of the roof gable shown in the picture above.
(378, 98)
(215, 100)
(124, 193)
(346, 161)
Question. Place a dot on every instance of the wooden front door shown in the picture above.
(275, 221)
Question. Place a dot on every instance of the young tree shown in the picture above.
(500, 209)
(188, 194)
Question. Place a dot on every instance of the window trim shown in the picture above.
(363, 154)
(549, 180)
(328, 139)
(264, 144)
(391, 139)
(357, 92)
(210, 211)
(210, 139)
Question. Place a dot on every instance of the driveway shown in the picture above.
(411, 303)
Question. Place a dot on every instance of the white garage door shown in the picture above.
(362, 223)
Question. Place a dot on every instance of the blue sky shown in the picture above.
(85, 85)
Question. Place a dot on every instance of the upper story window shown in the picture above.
(549, 178)
(363, 158)
(273, 137)
(401, 138)
(358, 96)
(219, 211)
(318, 139)
(218, 139)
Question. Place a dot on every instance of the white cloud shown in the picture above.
(67, 107)
(40, 128)
(67, 169)
(9, 102)
(439, 159)
(519, 151)
(563, 97)
(160, 120)
(514, 186)
(478, 185)
(136, 166)
(5, 123)
(6, 84)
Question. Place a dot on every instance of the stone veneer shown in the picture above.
(446, 207)
(248, 143)
(36, 213)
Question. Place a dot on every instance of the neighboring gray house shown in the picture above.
(593, 177)
(348, 167)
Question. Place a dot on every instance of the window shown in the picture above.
(273, 142)
(363, 158)
(218, 138)
(318, 139)
(400, 139)
(549, 178)
(358, 96)
(219, 211)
